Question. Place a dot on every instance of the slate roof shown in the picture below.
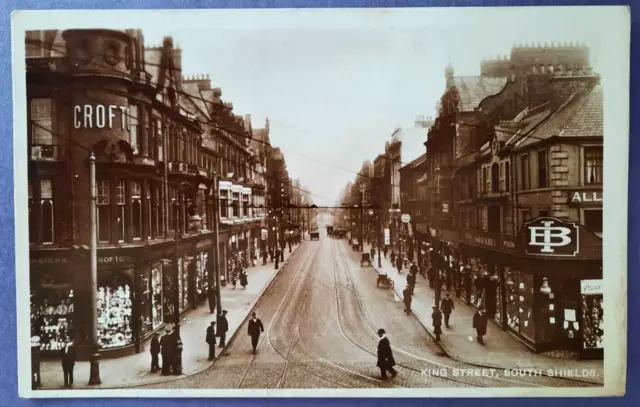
(474, 89)
(580, 116)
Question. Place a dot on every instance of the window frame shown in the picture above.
(544, 168)
(585, 149)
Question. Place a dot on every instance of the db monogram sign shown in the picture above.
(551, 237)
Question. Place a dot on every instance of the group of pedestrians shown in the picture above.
(168, 346)
(220, 332)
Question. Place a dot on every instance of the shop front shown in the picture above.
(547, 295)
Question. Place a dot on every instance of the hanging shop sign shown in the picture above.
(551, 237)
(100, 116)
(405, 218)
(582, 197)
(264, 233)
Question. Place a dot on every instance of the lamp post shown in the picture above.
(437, 249)
(176, 296)
(94, 370)
(216, 242)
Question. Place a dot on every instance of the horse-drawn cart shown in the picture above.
(384, 280)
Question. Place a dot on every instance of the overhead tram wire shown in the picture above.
(211, 124)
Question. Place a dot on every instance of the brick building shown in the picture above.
(516, 154)
(158, 139)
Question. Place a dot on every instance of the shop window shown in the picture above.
(524, 172)
(592, 321)
(136, 209)
(46, 210)
(202, 283)
(132, 126)
(146, 324)
(52, 310)
(114, 311)
(157, 316)
(593, 165)
(104, 215)
(543, 173)
(593, 221)
(120, 209)
(41, 121)
(526, 301)
(32, 222)
(512, 282)
(168, 290)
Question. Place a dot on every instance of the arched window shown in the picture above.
(495, 178)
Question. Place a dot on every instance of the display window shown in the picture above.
(512, 298)
(202, 281)
(168, 289)
(181, 284)
(52, 310)
(592, 321)
(114, 306)
(526, 301)
(146, 324)
(157, 314)
(186, 287)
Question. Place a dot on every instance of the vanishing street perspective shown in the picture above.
(186, 237)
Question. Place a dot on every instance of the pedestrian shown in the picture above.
(406, 299)
(167, 352)
(211, 340)
(223, 327)
(277, 256)
(243, 279)
(436, 318)
(155, 351)
(411, 282)
(289, 242)
(264, 257)
(254, 330)
(385, 251)
(399, 262)
(211, 296)
(373, 253)
(176, 349)
(414, 268)
(68, 359)
(393, 257)
(271, 253)
(431, 276)
(446, 306)
(386, 362)
(480, 324)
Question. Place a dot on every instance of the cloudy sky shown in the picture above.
(335, 84)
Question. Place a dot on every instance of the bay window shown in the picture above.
(136, 208)
(104, 214)
(224, 204)
(132, 126)
(236, 204)
(245, 205)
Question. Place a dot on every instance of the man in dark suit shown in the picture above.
(167, 352)
(386, 362)
(211, 340)
(399, 263)
(446, 306)
(254, 330)
(223, 327)
(68, 356)
(480, 324)
(155, 350)
(436, 318)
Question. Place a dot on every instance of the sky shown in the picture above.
(336, 84)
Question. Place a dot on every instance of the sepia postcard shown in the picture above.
(310, 203)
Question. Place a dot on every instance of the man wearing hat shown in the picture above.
(436, 317)
(167, 352)
(223, 327)
(480, 324)
(385, 356)
(254, 330)
(211, 340)
(446, 306)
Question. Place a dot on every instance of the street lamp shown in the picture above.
(438, 248)
(94, 369)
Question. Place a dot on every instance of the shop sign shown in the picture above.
(591, 286)
(551, 237)
(100, 116)
(49, 260)
(387, 237)
(508, 243)
(482, 239)
(115, 259)
(264, 233)
(405, 218)
(580, 197)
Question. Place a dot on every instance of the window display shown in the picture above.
(202, 282)
(52, 316)
(181, 282)
(513, 300)
(156, 296)
(168, 289)
(145, 301)
(114, 312)
(526, 299)
(186, 287)
(592, 321)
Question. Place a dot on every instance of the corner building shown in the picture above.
(103, 92)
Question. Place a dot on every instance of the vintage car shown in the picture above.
(314, 234)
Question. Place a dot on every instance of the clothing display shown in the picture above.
(156, 298)
(114, 316)
(592, 321)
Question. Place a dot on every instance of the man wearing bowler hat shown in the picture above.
(223, 327)
(385, 356)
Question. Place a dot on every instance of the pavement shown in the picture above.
(501, 350)
(134, 370)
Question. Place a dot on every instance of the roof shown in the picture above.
(580, 116)
(474, 89)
